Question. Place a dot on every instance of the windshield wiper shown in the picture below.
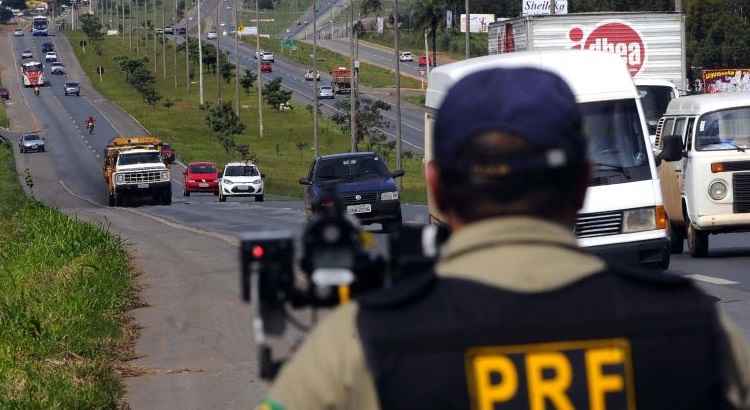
(621, 169)
(735, 146)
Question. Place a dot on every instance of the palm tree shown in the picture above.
(427, 14)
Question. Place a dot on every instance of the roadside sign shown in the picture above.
(288, 44)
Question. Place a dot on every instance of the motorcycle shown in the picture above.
(90, 127)
(36, 91)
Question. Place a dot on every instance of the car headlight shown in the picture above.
(119, 178)
(164, 175)
(389, 196)
(644, 219)
(226, 181)
(718, 189)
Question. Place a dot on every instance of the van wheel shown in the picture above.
(697, 242)
(166, 197)
(676, 239)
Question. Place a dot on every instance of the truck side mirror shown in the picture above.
(672, 148)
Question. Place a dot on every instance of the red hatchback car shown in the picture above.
(265, 68)
(201, 177)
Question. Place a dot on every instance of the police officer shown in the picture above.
(515, 316)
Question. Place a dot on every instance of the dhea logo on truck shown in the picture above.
(614, 37)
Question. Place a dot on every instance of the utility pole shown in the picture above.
(130, 25)
(153, 28)
(236, 60)
(678, 6)
(397, 61)
(200, 55)
(316, 139)
(122, 19)
(187, 49)
(138, 30)
(219, 33)
(352, 94)
(259, 81)
(174, 36)
(468, 28)
(163, 39)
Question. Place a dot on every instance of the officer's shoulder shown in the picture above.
(405, 291)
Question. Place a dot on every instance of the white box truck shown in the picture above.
(652, 44)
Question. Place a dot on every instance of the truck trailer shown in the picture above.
(652, 44)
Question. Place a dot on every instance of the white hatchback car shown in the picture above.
(211, 35)
(50, 56)
(241, 179)
(18, 33)
(405, 56)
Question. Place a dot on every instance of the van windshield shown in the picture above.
(724, 130)
(617, 149)
(654, 100)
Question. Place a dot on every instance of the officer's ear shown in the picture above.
(432, 177)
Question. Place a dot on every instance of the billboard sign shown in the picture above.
(726, 80)
(479, 22)
(542, 7)
(616, 37)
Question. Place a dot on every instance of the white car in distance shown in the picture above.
(18, 33)
(267, 57)
(241, 179)
(27, 54)
(211, 35)
(57, 68)
(50, 56)
(405, 56)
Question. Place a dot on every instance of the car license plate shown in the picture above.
(142, 186)
(242, 187)
(203, 185)
(359, 209)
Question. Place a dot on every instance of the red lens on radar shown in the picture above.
(258, 252)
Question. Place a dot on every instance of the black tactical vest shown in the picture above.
(613, 340)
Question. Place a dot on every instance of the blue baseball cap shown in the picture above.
(535, 105)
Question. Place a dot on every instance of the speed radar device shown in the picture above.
(333, 262)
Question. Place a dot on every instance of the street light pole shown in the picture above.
(468, 28)
(352, 95)
(397, 61)
(316, 139)
(163, 39)
(187, 49)
(236, 60)
(153, 27)
(200, 55)
(259, 81)
(219, 32)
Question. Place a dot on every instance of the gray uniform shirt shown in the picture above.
(329, 370)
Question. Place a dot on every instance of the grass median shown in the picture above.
(65, 288)
(284, 153)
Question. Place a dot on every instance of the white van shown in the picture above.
(623, 218)
(655, 97)
(706, 181)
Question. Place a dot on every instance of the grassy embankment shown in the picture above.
(65, 288)
(280, 153)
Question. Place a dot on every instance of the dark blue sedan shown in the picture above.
(363, 184)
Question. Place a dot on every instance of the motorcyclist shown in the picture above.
(36, 90)
(90, 122)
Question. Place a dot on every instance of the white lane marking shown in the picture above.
(712, 280)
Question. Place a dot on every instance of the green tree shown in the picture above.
(276, 96)
(91, 27)
(225, 125)
(248, 80)
(369, 118)
(227, 71)
(427, 16)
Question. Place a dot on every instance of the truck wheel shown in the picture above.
(166, 197)
(259, 198)
(697, 242)
(111, 200)
(676, 239)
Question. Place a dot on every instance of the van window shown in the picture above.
(724, 130)
(679, 128)
(667, 129)
(617, 148)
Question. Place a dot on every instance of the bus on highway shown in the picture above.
(39, 26)
(33, 74)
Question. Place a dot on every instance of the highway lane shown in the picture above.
(292, 75)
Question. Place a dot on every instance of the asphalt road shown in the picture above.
(292, 74)
(195, 346)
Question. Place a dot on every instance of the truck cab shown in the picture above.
(706, 178)
(134, 167)
(623, 217)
